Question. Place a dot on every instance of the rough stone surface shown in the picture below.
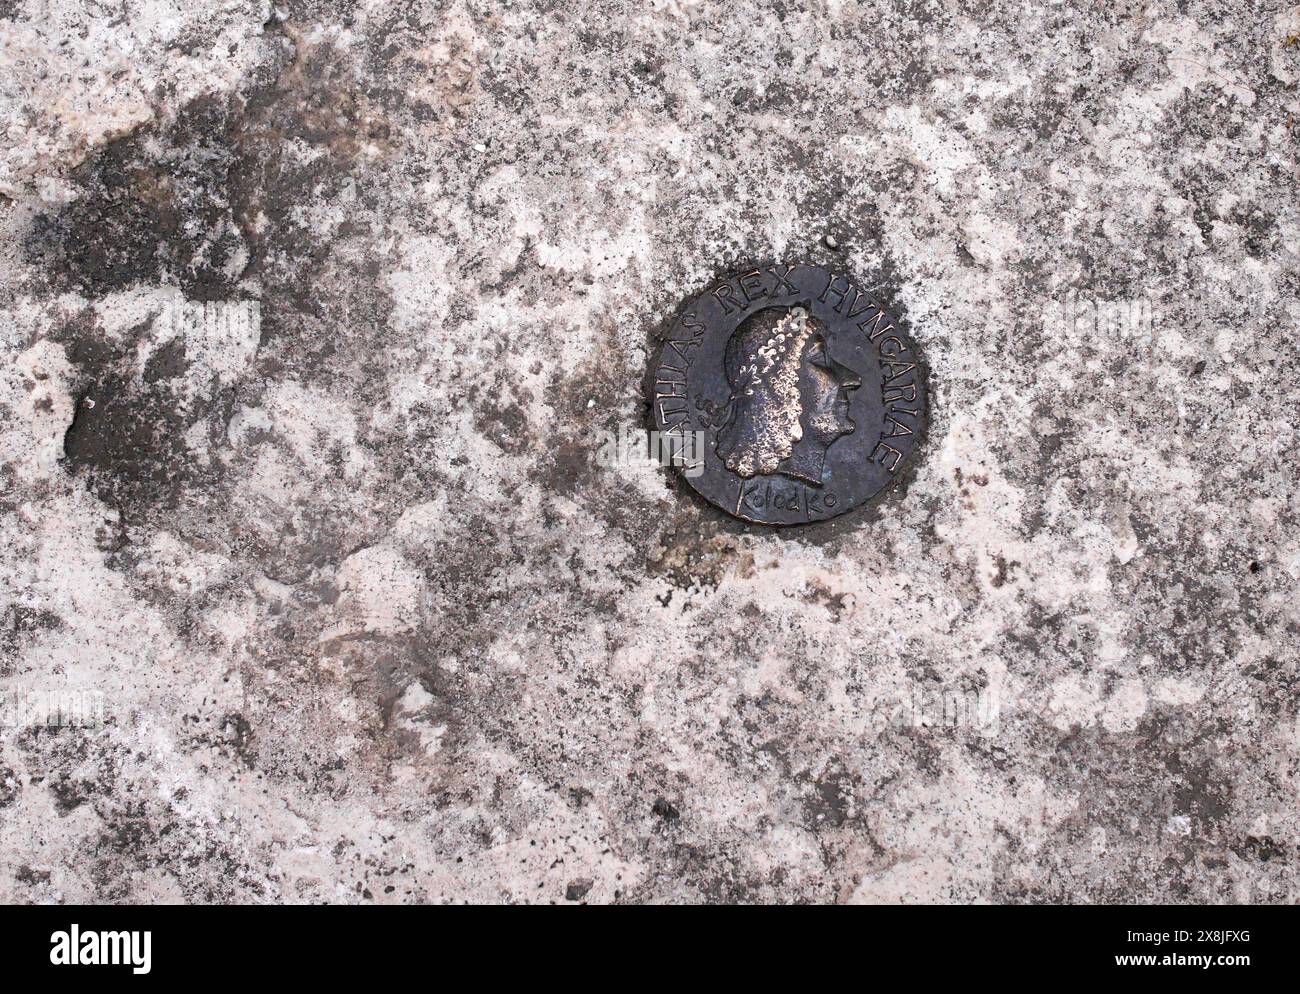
(314, 318)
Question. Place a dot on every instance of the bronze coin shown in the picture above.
(785, 394)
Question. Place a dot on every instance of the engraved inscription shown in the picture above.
(739, 292)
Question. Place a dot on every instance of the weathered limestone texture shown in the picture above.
(315, 316)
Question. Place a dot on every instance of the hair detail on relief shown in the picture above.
(763, 370)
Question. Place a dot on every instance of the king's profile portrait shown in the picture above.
(789, 398)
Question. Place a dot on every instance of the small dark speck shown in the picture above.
(1199, 368)
(1255, 567)
(577, 890)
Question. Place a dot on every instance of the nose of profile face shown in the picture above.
(848, 380)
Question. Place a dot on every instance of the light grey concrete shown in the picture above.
(316, 316)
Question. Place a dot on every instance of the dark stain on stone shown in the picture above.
(504, 424)
(1277, 687)
(577, 889)
(1004, 568)
(820, 593)
(568, 468)
(665, 809)
(237, 733)
(212, 200)
(129, 442)
(70, 793)
(31, 876)
(19, 625)
(202, 203)
(831, 799)
(1260, 848)
(10, 788)
(579, 796)
(151, 210)
(167, 363)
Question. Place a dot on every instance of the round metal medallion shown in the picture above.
(787, 395)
